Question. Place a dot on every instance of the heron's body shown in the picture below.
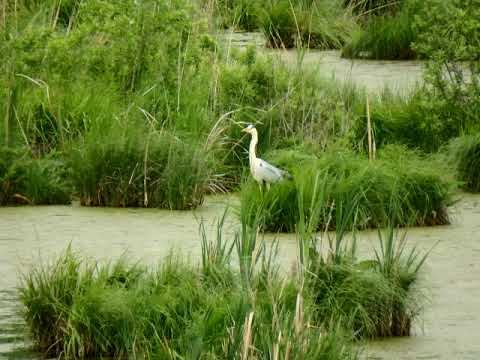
(262, 171)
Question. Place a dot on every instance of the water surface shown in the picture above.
(448, 330)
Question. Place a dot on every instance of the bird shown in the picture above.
(262, 171)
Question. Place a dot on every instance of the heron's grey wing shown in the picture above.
(268, 172)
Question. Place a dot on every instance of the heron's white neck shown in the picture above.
(253, 145)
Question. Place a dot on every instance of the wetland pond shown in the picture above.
(448, 329)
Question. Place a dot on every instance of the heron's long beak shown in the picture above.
(245, 130)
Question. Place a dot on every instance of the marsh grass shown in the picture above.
(129, 165)
(399, 186)
(465, 152)
(309, 24)
(28, 180)
(389, 36)
(371, 298)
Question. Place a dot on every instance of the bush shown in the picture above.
(24, 179)
(449, 37)
(466, 157)
(348, 189)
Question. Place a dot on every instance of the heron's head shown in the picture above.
(249, 129)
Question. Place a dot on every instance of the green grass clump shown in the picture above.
(24, 179)
(313, 24)
(419, 121)
(372, 298)
(128, 166)
(466, 157)
(214, 311)
(388, 36)
(398, 186)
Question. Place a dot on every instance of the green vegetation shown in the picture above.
(397, 187)
(313, 24)
(149, 114)
(25, 180)
(466, 157)
(80, 308)
(125, 166)
(386, 36)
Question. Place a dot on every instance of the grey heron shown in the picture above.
(262, 171)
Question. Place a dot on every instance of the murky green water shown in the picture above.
(449, 328)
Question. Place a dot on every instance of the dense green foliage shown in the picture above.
(24, 179)
(94, 82)
(413, 120)
(127, 167)
(398, 187)
(450, 37)
(466, 157)
(314, 24)
(386, 36)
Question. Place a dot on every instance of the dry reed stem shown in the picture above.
(247, 335)
(298, 322)
(276, 347)
(369, 133)
(287, 350)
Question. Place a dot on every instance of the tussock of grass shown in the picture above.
(24, 179)
(466, 157)
(398, 186)
(314, 24)
(128, 166)
(420, 121)
(388, 36)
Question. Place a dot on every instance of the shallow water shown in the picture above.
(375, 75)
(448, 330)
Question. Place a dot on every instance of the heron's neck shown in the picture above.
(253, 146)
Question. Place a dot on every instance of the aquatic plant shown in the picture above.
(398, 186)
(310, 24)
(388, 36)
(27, 180)
(128, 165)
(465, 152)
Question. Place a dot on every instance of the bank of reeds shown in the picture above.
(28, 180)
(397, 187)
(465, 152)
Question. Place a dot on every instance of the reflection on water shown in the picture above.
(450, 325)
(375, 75)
